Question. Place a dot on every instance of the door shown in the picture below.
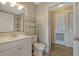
(10, 52)
(59, 28)
(25, 50)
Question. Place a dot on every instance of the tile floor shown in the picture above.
(59, 50)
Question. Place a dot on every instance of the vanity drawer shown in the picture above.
(9, 45)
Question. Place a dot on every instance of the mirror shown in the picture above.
(11, 17)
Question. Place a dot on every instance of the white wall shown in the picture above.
(42, 18)
(30, 14)
(30, 9)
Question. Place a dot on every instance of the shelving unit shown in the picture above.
(30, 25)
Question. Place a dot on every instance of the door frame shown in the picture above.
(49, 23)
(49, 20)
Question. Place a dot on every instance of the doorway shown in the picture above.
(61, 28)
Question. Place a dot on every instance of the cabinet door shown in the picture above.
(29, 47)
(10, 52)
(26, 49)
(23, 50)
(75, 48)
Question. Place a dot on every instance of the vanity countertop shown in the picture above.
(10, 39)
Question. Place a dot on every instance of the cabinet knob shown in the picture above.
(18, 48)
(21, 48)
(32, 37)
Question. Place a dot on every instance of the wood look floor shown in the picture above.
(59, 50)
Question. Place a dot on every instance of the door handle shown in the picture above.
(20, 48)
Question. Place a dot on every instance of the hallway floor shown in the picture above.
(59, 50)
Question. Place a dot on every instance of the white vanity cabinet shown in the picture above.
(22, 47)
(26, 49)
(76, 48)
(10, 52)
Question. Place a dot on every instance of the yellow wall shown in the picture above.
(64, 10)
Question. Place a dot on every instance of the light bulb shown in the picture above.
(3, 2)
(13, 4)
(20, 7)
(60, 5)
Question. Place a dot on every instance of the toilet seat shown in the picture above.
(39, 46)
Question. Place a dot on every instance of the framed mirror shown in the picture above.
(11, 17)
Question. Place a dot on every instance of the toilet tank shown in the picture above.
(34, 39)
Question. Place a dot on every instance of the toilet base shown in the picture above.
(37, 54)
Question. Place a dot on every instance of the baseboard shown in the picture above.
(59, 42)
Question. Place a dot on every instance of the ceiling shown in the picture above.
(63, 6)
(13, 10)
(7, 8)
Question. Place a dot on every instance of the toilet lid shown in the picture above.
(39, 46)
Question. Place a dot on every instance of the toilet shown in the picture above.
(38, 48)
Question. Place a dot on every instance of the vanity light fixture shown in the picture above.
(20, 7)
(60, 5)
(3, 2)
(12, 4)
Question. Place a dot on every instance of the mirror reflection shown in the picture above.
(11, 17)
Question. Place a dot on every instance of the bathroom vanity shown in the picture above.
(16, 46)
(76, 47)
(13, 20)
(13, 44)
